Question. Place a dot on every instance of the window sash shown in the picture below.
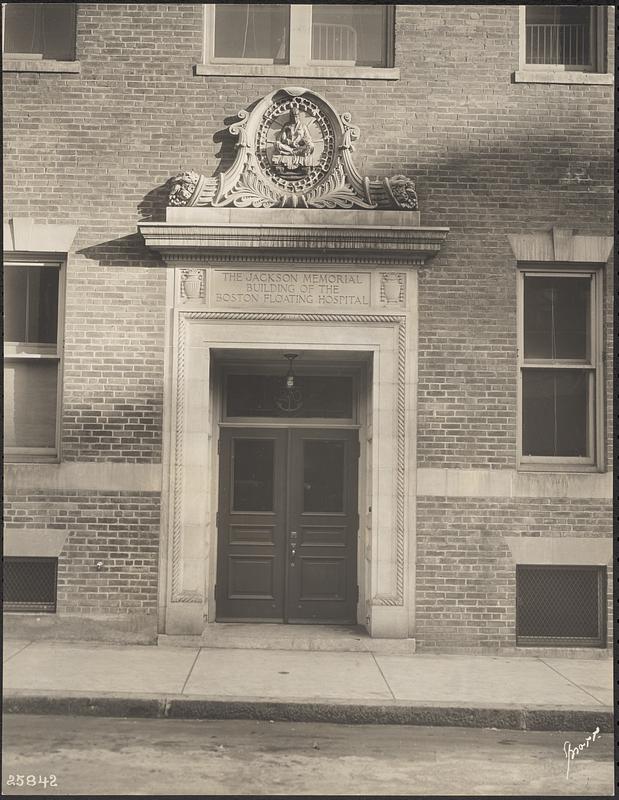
(592, 367)
(209, 41)
(588, 458)
(39, 26)
(25, 353)
(596, 46)
(299, 44)
(387, 44)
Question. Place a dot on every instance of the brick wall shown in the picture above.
(490, 157)
(466, 577)
(120, 529)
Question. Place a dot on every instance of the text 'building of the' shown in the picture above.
(308, 320)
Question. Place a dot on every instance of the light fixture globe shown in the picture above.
(290, 400)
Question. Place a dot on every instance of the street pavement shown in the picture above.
(480, 691)
(96, 756)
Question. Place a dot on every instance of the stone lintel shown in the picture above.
(23, 234)
(41, 543)
(559, 550)
(560, 245)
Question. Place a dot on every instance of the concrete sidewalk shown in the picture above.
(357, 687)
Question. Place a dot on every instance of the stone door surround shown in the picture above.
(297, 279)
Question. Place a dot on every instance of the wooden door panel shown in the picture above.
(323, 535)
(252, 534)
(251, 577)
(251, 525)
(323, 523)
(322, 579)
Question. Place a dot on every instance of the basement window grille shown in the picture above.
(29, 584)
(560, 606)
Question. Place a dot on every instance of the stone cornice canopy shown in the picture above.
(231, 233)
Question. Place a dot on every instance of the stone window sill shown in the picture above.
(38, 65)
(560, 76)
(24, 458)
(286, 71)
(559, 468)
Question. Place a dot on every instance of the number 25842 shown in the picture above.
(32, 780)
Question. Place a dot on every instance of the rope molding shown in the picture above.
(178, 595)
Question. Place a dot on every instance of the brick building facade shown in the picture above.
(513, 158)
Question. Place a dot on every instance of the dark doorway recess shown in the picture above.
(287, 525)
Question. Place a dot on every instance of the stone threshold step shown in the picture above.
(284, 637)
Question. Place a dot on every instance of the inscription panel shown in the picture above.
(349, 291)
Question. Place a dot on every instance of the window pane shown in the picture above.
(558, 35)
(323, 476)
(555, 412)
(31, 304)
(557, 317)
(253, 474)
(30, 403)
(263, 396)
(252, 30)
(355, 34)
(15, 296)
(44, 29)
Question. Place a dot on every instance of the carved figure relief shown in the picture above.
(293, 150)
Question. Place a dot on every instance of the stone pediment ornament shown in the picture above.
(293, 150)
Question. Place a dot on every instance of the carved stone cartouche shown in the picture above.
(293, 150)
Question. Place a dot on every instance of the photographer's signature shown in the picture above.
(572, 752)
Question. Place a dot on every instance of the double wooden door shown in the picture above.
(287, 525)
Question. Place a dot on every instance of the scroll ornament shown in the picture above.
(293, 150)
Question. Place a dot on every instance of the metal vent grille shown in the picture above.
(30, 584)
(560, 606)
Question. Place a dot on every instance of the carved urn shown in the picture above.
(192, 285)
(392, 288)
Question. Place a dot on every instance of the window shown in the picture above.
(39, 31)
(29, 584)
(560, 364)
(320, 396)
(350, 34)
(299, 39)
(560, 606)
(253, 33)
(562, 43)
(560, 36)
(32, 359)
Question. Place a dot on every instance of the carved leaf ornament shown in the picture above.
(293, 150)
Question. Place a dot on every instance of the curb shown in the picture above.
(178, 707)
